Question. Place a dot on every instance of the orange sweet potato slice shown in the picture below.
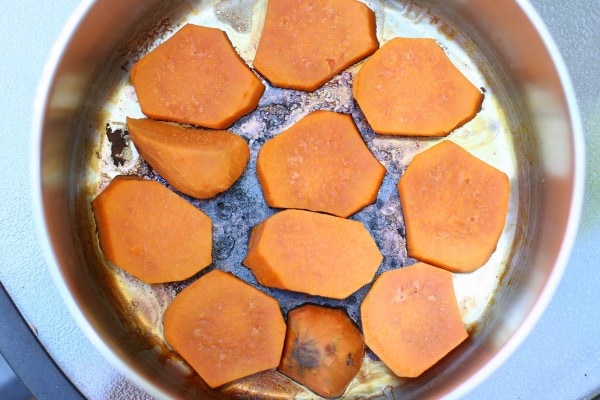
(320, 164)
(323, 349)
(196, 77)
(410, 87)
(151, 232)
(224, 328)
(411, 318)
(312, 253)
(454, 207)
(306, 43)
(200, 163)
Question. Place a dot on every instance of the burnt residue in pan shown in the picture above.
(236, 211)
(118, 144)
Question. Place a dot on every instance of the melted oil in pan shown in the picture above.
(237, 210)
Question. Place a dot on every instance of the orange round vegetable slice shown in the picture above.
(197, 162)
(410, 87)
(306, 43)
(151, 232)
(323, 349)
(320, 164)
(454, 207)
(196, 77)
(411, 319)
(224, 328)
(312, 253)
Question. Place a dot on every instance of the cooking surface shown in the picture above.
(559, 360)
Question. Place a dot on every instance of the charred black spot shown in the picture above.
(224, 247)
(349, 360)
(401, 231)
(351, 299)
(330, 349)
(117, 144)
(306, 354)
(274, 115)
(225, 210)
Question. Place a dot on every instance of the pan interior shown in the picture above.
(131, 323)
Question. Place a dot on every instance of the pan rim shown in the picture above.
(577, 196)
(41, 100)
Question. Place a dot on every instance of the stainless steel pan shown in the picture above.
(528, 127)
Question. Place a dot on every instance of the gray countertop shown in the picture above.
(560, 359)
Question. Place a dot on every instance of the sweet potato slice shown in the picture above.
(323, 349)
(454, 207)
(224, 328)
(306, 43)
(411, 318)
(320, 164)
(312, 253)
(196, 77)
(197, 162)
(150, 232)
(410, 87)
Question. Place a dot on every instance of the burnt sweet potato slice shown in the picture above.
(323, 349)
(320, 164)
(312, 253)
(196, 77)
(151, 232)
(306, 43)
(225, 328)
(410, 87)
(198, 162)
(411, 319)
(454, 207)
